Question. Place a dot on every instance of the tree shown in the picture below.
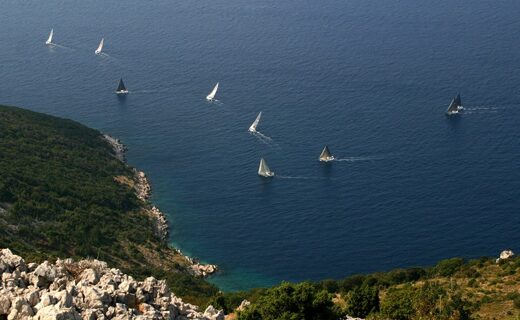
(362, 301)
(398, 304)
(303, 301)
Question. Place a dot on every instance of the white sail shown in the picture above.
(263, 169)
(100, 47)
(213, 92)
(252, 128)
(49, 41)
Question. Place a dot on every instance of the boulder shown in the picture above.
(95, 298)
(243, 305)
(5, 303)
(11, 261)
(89, 275)
(213, 314)
(20, 309)
(32, 296)
(44, 274)
(504, 255)
(53, 312)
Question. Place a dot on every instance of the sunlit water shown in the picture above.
(369, 78)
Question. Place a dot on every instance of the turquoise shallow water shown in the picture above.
(369, 78)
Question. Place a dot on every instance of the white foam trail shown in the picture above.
(301, 177)
(481, 109)
(215, 101)
(55, 45)
(262, 140)
(355, 159)
(263, 136)
(148, 91)
(265, 140)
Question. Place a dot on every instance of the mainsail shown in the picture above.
(263, 169)
(100, 47)
(49, 41)
(211, 96)
(252, 128)
(325, 155)
(455, 105)
(121, 87)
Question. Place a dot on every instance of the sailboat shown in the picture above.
(263, 169)
(252, 128)
(211, 96)
(325, 155)
(455, 106)
(49, 41)
(121, 89)
(100, 47)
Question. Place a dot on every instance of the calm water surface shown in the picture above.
(370, 78)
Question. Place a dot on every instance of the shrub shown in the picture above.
(448, 267)
(303, 301)
(363, 301)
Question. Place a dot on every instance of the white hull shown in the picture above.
(252, 130)
(327, 159)
(122, 92)
(454, 112)
(267, 175)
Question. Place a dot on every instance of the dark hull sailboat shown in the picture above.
(121, 89)
(455, 106)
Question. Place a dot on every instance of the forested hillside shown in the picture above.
(59, 197)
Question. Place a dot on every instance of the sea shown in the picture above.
(369, 78)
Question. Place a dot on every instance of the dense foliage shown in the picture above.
(453, 289)
(59, 198)
(362, 301)
(303, 301)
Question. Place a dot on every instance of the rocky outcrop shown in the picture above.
(143, 191)
(117, 146)
(197, 268)
(143, 188)
(86, 290)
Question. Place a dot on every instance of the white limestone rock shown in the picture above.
(504, 255)
(213, 314)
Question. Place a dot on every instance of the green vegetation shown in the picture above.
(59, 197)
(454, 289)
(363, 301)
(303, 301)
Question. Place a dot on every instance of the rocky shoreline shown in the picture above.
(86, 290)
(143, 191)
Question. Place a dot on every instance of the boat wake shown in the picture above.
(302, 177)
(265, 140)
(217, 102)
(106, 55)
(55, 45)
(262, 136)
(356, 159)
(481, 109)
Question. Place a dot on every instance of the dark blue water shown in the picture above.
(369, 78)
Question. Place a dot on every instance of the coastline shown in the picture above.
(143, 190)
